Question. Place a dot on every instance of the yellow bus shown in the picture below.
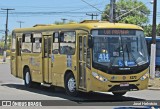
(87, 56)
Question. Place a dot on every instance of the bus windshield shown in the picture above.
(119, 48)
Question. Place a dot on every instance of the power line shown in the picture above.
(20, 22)
(92, 15)
(94, 7)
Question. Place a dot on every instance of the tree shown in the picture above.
(148, 30)
(138, 16)
(2, 40)
(60, 23)
(158, 30)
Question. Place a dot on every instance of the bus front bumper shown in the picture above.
(109, 86)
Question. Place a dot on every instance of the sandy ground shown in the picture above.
(154, 83)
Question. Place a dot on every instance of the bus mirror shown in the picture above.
(90, 41)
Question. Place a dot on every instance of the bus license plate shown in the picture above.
(124, 84)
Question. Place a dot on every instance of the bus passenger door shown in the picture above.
(19, 58)
(82, 60)
(47, 58)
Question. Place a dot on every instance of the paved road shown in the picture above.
(12, 88)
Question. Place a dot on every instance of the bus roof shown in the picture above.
(86, 25)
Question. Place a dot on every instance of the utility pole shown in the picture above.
(20, 22)
(64, 20)
(112, 10)
(6, 34)
(153, 45)
(92, 15)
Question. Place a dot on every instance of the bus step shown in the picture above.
(46, 85)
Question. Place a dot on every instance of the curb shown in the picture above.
(153, 88)
(3, 62)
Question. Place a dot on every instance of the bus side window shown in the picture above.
(26, 43)
(67, 43)
(13, 46)
(55, 43)
(37, 42)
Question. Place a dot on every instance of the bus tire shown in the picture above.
(119, 93)
(70, 85)
(27, 78)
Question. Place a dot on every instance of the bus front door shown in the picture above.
(47, 59)
(13, 55)
(82, 61)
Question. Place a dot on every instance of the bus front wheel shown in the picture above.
(70, 85)
(27, 78)
(119, 93)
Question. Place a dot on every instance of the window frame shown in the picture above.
(34, 41)
(67, 42)
(13, 37)
(23, 41)
(58, 42)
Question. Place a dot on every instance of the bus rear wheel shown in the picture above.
(70, 85)
(119, 93)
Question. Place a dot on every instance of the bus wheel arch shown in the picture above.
(28, 78)
(70, 83)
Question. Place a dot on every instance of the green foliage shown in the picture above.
(158, 30)
(1, 44)
(8, 42)
(138, 16)
(60, 23)
(148, 30)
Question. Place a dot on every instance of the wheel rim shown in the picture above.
(27, 78)
(71, 84)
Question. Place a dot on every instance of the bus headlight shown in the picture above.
(99, 77)
(144, 76)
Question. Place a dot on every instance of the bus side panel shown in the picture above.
(36, 67)
(25, 61)
(58, 69)
(19, 67)
(13, 64)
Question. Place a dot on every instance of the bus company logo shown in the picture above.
(6, 103)
(124, 77)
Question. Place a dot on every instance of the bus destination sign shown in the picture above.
(116, 32)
